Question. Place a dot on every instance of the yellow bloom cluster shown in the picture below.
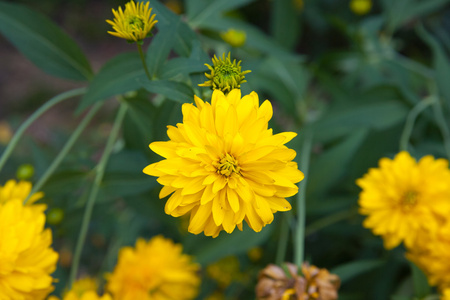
(409, 201)
(134, 23)
(154, 270)
(223, 165)
(26, 258)
(83, 289)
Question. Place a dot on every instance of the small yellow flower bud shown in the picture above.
(225, 75)
(360, 7)
(235, 38)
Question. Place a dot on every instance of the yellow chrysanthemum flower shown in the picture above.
(360, 7)
(134, 23)
(88, 295)
(445, 294)
(233, 37)
(225, 75)
(224, 165)
(18, 190)
(431, 254)
(26, 258)
(403, 196)
(154, 270)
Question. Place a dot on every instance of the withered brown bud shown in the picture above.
(274, 283)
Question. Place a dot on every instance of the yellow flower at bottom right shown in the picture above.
(403, 197)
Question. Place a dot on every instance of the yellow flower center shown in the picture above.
(409, 200)
(136, 22)
(227, 165)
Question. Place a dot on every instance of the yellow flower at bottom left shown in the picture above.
(26, 256)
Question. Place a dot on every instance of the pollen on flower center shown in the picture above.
(409, 200)
(227, 165)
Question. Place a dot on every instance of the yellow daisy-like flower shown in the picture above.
(233, 37)
(134, 23)
(431, 254)
(445, 294)
(224, 165)
(18, 190)
(225, 75)
(26, 258)
(403, 196)
(154, 270)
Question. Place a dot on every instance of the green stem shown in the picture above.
(440, 118)
(300, 230)
(411, 119)
(20, 131)
(100, 170)
(330, 220)
(141, 54)
(63, 153)
(283, 238)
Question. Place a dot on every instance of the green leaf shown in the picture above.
(176, 91)
(43, 42)
(118, 76)
(421, 286)
(182, 65)
(184, 35)
(159, 49)
(333, 163)
(215, 249)
(341, 121)
(356, 268)
(138, 123)
(441, 63)
(285, 25)
(208, 11)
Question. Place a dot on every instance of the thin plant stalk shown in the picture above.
(411, 119)
(100, 171)
(141, 54)
(330, 220)
(283, 238)
(21, 130)
(301, 204)
(65, 150)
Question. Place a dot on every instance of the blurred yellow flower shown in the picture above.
(5, 133)
(445, 294)
(134, 23)
(431, 254)
(18, 190)
(402, 197)
(154, 270)
(83, 285)
(26, 256)
(225, 75)
(88, 295)
(224, 271)
(360, 7)
(224, 165)
(233, 37)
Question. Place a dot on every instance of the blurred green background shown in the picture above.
(347, 77)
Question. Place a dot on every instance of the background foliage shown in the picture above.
(354, 83)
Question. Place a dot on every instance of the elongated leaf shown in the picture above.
(441, 63)
(182, 65)
(285, 15)
(355, 268)
(184, 35)
(118, 76)
(209, 10)
(159, 49)
(377, 115)
(421, 286)
(173, 90)
(330, 166)
(43, 42)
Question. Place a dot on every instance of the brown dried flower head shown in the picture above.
(274, 283)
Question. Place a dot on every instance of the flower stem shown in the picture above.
(300, 232)
(20, 131)
(100, 170)
(141, 54)
(63, 153)
(283, 238)
(410, 120)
